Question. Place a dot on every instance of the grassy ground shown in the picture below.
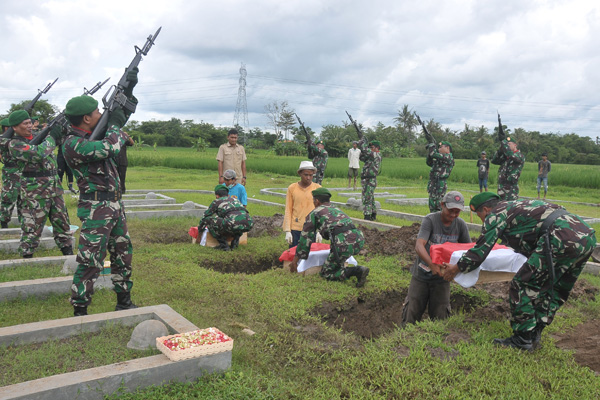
(284, 360)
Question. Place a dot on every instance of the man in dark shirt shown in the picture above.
(483, 168)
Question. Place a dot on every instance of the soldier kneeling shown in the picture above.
(225, 217)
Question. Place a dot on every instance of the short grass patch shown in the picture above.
(26, 272)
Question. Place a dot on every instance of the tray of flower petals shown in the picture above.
(201, 342)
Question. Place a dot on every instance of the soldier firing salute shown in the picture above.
(511, 163)
(100, 207)
(40, 190)
(226, 216)
(11, 181)
(557, 244)
(346, 240)
(317, 153)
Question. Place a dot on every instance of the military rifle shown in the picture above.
(116, 96)
(61, 119)
(501, 135)
(428, 136)
(360, 134)
(10, 131)
(308, 139)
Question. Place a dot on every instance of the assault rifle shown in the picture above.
(501, 135)
(360, 134)
(308, 139)
(60, 119)
(428, 136)
(116, 95)
(10, 131)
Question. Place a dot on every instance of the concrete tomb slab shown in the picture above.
(95, 383)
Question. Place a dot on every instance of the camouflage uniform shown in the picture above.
(226, 216)
(104, 225)
(368, 176)
(347, 240)
(11, 182)
(534, 297)
(441, 167)
(41, 194)
(319, 158)
(511, 165)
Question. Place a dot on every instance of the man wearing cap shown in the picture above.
(319, 156)
(299, 203)
(346, 240)
(235, 189)
(371, 157)
(427, 289)
(354, 164)
(441, 162)
(11, 181)
(100, 207)
(483, 170)
(40, 189)
(232, 156)
(511, 163)
(225, 217)
(557, 244)
(544, 166)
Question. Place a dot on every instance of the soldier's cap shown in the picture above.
(321, 192)
(446, 143)
(483, 152)
(482, 198)
(375, 143)
(35, 118)
(81, 105)
(306, 165)
(229, 174)
(454, 199)
(221, 187)
(319, 142)
(4, 122)
(16, 117)
(509, 139)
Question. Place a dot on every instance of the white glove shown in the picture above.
(319, 238)
(288, 237)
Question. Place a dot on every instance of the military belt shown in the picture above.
(101, 196)
(38, 174)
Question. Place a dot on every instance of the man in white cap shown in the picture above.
(427, 289)
(299, 203)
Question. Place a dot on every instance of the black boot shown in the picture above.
(361, 276)
(124, 301)
(223, 245)
(519, 340)
(67, 251)
(374, 216)
(79, 311)
(235, 242)
(367, 217)
(4, 225)
(27, 255)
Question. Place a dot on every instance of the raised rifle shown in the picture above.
(60, 118)
(428, 136)
(116, 96)
(308, 139)
(360, 134)
(10, 131)
(501, 135)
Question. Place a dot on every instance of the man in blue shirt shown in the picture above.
(235, 189)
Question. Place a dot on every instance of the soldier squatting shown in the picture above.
(556, 242)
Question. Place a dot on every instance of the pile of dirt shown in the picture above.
(242, 263)
(584, 340)
(267, 226)
(397, 241)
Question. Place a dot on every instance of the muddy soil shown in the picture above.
(398, 241)
(243, 263)
(584, 340)
(267, 226)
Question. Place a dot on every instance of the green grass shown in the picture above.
(26, 272)
(283, 361)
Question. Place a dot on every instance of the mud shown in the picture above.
(400, 241)
(267, 226)
(242, 263)
(584, 340)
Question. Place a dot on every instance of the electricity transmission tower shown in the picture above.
(241, 109)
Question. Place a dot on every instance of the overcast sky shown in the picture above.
(454, 61)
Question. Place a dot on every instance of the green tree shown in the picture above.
(42, 109)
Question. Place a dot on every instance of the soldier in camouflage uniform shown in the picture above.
(226, 216)
(346, 240)
(11, 180)
(441, 163)
(511, 163)
(100, 208)
(557, 244)
(319, 156)
(40, 190)
(368, 176)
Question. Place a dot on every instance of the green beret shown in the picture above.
(16, 117)
(35, 118)
(321, 192)
(375, 143)
(221, 187)
(508, 139)
(446, 143)
(4, 122)
(481, 198)
(81, 105)
(320, 142)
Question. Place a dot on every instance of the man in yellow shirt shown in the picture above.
(299, 203)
